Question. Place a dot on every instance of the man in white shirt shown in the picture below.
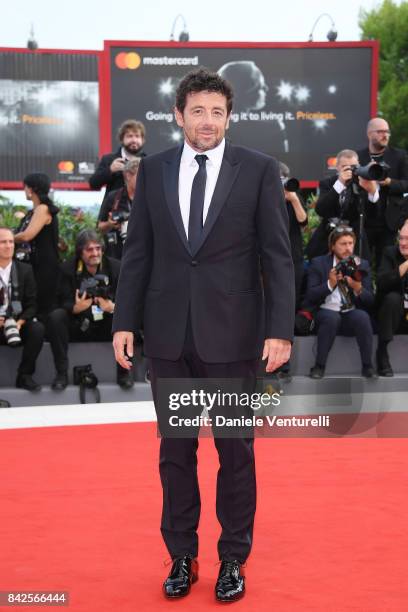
(342, 293)
(18, 304)
(207, 268)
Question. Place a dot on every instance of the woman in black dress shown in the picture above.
(37, 236)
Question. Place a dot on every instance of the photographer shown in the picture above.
(86, 296)
(17, 311)
(109, 172)
(339, 202)
(115, 210)
(339, 285)
(384, 219)
(392, 283)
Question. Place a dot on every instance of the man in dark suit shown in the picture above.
(341, 199)
(18, 303)
(109, 172)
(207, 267)
(392, 284)
(384, 219)
(343, 298)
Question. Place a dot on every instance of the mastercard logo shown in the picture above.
(331, 162)
(128, 61)
(66, 166)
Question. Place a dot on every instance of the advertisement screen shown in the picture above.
(50, 121)
(301, 105)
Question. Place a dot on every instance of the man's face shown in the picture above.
(343, 247)
(403, 241)
(6, 245)
(92, 254)
(378, 135)
(204, 120)
(344, 163)
(133, 141)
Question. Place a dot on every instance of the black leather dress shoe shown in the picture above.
(230, 585)
(184, 572)
(60, 382)
(125, 380)
(316, 372)
(383, 364)
(26, 381)
(368, 372)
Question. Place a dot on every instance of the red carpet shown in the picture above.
(80, 510)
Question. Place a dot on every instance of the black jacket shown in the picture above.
(27, 290)
(70, 280)
(391, 208)
(317, 283)
(388, 276)
(219, 284)
(103, 174)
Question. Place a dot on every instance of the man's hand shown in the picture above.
(20, 324)
(385, 183)
(2, 319)
(105, 305)
(333, 278)
(356, 286)
(403, 268)
(277, 351)
(368, 186)
(123, 340)
(345, 175)
(82, 302)
(117, 165)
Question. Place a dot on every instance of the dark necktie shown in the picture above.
(195, 222)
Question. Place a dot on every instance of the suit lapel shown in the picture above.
(171, 168)
(228, 173)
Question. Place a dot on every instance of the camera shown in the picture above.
(120, 216)
(84, 375)
(96, 286)
(11, 332)
(290, 184)
(371, 172)
(350, 266)
(23, 252)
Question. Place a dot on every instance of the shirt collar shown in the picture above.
(214, 155)
(7, 269)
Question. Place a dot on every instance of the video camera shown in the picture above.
(96, 286)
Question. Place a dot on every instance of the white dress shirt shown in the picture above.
(5, 279)
(372, 197)
(188, 169)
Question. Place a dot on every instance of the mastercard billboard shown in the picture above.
(301, 103)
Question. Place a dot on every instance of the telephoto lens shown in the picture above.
(11, 333)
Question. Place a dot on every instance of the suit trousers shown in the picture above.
(391, 317)
(32, 336)
(236, 482)
(355, 322)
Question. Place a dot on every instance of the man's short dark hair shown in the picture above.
(83, 238)
(203, 80)
(131, 125)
